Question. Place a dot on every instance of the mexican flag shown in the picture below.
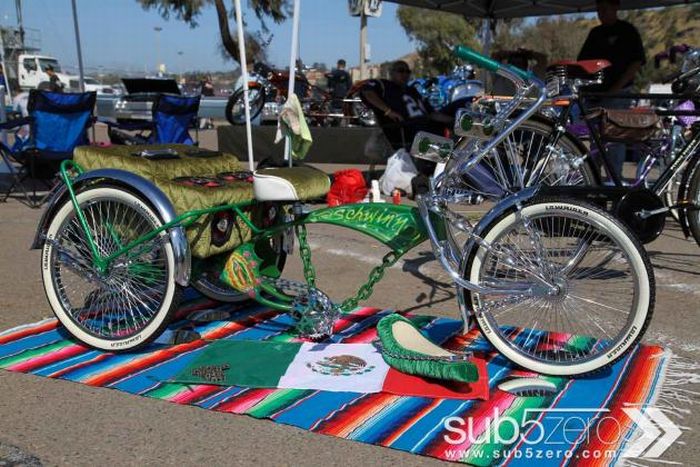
(326, 367)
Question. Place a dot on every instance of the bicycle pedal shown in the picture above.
(315, 314)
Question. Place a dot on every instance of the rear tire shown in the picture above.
(235, 107)
(208, 282)
(131, 303)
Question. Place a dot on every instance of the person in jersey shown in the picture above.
(618, 42)
(401, 113)
(400, 109)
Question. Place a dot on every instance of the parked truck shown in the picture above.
(23, 63)
(31, 71)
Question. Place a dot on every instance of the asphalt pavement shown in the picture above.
(53, 422)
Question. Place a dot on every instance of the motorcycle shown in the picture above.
(444, 90)
(268, 89)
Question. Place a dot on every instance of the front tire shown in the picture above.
(131, 302)
(602, 294)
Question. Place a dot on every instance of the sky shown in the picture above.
(120, 35)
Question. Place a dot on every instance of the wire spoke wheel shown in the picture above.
(523, 159)
(128, 303)
(587, 288)
(235, 107)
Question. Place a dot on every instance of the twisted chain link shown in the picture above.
(305, 253)
(364, 292)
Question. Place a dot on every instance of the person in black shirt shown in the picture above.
(339, 83)
(55, 84)
(401, 113)
(400, 109)
(619, 43)
(206, 87)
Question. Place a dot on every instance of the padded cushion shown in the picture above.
(290, 184)
(185, 197)
(122, 157)
(188, 198)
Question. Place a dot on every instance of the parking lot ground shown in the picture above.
(61, 423)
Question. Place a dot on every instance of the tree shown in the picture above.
(189, 10)
(558, 37)
(431, 30)
(561, 37)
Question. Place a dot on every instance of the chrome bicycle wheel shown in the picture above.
(587, 287)
(523, 159)
(128, 304)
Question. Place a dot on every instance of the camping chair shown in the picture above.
(173, 116)
(58, 123)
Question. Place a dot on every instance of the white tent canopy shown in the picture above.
(500, 9)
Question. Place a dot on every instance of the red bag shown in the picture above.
(348, 187)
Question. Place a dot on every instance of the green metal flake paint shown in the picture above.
(399, 227)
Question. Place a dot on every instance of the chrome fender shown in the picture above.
(136, 185)
(506, 204)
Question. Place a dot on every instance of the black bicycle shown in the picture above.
(550, 146)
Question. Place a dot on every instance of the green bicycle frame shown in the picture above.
(399, 227)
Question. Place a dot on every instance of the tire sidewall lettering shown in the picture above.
(484, 319)
(63, 316)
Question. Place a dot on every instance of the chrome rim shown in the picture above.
(123, 300)
(585, 290)
(514, 165)
(255, 100)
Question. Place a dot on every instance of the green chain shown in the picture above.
(375, 276)
(364, 292)
(305, 253)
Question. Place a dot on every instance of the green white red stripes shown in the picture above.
(413, 424)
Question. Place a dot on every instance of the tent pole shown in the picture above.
(292, 70)
(81, 71)
(487, 38)
(244, 74)
(363, 44)
(8, 91)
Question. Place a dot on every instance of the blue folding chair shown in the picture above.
(172, 117)
(58, 123)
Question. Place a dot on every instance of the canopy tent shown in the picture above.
(502, 9)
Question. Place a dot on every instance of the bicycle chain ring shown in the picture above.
(314, 313)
